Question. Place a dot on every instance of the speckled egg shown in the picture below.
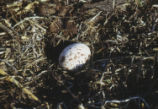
(74, 56)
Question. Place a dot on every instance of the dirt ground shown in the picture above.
(122, 72)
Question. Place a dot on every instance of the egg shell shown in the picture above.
(74, 56)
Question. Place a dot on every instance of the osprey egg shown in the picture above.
(74, 56)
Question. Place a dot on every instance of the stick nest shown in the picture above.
(122, 73)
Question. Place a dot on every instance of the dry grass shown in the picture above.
(122, 73)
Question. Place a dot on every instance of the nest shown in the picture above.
(122, 73)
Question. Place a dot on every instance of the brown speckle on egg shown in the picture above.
(82, 54)
(75, 57)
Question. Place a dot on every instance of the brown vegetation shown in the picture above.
(123, 70)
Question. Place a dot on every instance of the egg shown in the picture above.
(74, 56)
